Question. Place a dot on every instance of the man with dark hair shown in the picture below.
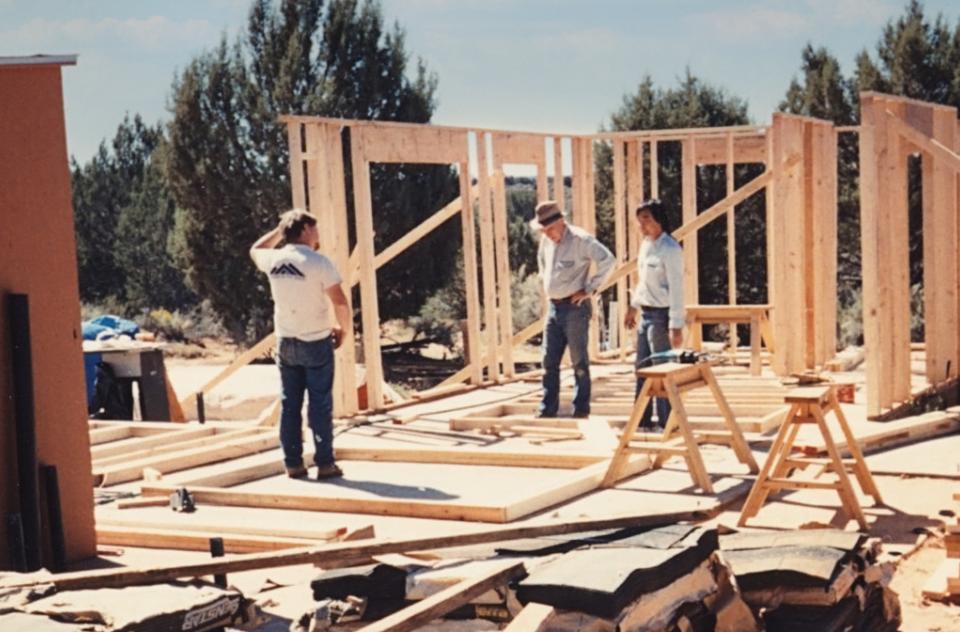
(658, 296)
(304, 284)
(564, 258)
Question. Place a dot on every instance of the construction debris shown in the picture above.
(603, 579)
(944, 584)
(678, 577)
(813, 580)
(188, 607)
(846, 360)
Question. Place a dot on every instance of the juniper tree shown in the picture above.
(692, 103)
(915, 57)
(102, 188)
(228, 162)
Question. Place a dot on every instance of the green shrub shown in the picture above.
(167, 325)
(526, 297)
(176, 326)
(850, 321)
(110, 305)
(440, 316)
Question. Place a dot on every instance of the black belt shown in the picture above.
(647, 308)
(562, 301)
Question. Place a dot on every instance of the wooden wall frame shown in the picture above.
(434, 146)
(729, 147)
(515, 149)
(586, 473)
(891, 129)
(800, 184)
(380, 143)
(802, 246)
(160, 452)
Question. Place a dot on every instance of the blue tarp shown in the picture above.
(113, 325)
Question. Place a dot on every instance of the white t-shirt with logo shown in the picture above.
(299, 278)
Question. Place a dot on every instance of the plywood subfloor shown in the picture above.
(938, 457)
(669, 487)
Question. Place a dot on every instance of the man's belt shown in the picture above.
(648, 308)
(562, 301)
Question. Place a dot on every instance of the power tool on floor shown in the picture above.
(680, 356)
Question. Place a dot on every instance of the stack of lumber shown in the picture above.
(813, 580)
(944, 584)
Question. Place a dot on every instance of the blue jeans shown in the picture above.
(653, 336)
(567, 324)
(306, 366)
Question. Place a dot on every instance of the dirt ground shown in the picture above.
(912, 573)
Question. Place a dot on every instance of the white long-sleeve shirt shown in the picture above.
(660, 271)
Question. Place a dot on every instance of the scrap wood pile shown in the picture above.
(158, 608)
(813, 580)
(679, 577)
(674, 577)
(944, 583)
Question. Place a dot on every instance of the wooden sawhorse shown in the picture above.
(809, 405)
(757, 316)
(670, 380)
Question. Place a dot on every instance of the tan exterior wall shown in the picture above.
(38, 257)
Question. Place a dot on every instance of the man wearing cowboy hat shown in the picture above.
(564, 259)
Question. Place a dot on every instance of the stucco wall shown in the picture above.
(38, 258)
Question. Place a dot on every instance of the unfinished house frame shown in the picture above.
(225, 465)
(799, 182)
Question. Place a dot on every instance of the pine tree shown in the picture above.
(915, 57)
(824, 93)
(228, 162)
(692, 103)
(102, 188)
(145, 244)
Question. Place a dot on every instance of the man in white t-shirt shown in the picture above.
(304, 284)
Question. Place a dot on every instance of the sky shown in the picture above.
(539, 65)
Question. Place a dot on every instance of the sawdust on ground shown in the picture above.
(912, 573)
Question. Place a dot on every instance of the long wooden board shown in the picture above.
(438, 604)
(152, 538)
(349, 551)
(436, 510)
(165, 445)
(193, 457)
(132, 443)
